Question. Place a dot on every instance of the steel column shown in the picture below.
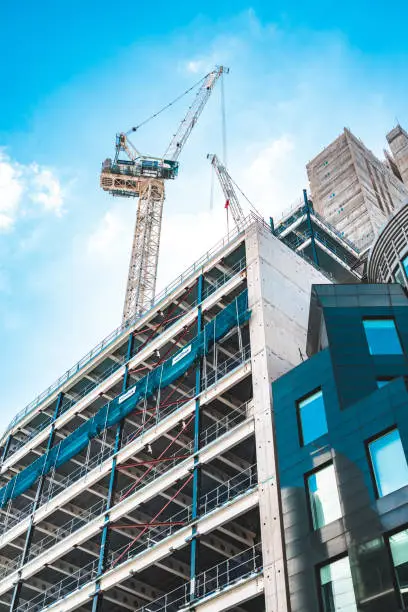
(197, 471)
(6, 449)
(30, 531)
(104, 546)
(309, 221)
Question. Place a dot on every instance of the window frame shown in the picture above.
(318, 568)
(382, 318)
(299, 418)
(367, 443)
(307, 475)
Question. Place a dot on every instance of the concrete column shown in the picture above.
(279, 283)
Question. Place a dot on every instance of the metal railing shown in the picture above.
(54, 486)
(124, 327)
(12, 516)
(212, 376)
(235, 269)
(237, 485)
(238, 267)
(228, 572)
(67, 404)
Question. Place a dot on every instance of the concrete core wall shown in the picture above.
(279, 284)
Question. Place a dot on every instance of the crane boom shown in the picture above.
(143, 176)
(180, 137)
(227, 186)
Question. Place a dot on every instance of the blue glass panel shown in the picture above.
(389, 463)
(382, 337)
(312, 417)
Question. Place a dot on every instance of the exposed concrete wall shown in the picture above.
(279, 284)
(398, 141)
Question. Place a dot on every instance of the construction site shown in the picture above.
(145, 478)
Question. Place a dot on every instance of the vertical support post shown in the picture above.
(309, 222)
(197, 471)
(30, 531)
(104, 545)
(6, 449)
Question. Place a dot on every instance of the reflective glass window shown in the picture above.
(312, 417)
(324, 496)
(389, 463)
(399, 551)
(382, 337)
(337, 587)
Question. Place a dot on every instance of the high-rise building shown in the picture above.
(398, 142)
(353, 190)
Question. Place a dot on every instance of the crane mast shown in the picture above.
(227, 185)
(143, 176)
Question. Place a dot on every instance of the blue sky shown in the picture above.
(74, 73)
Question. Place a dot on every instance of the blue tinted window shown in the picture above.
(324, 496)
(382, 337)
(389, 463)
(312, 417)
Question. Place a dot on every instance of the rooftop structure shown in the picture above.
(353, 190)
(303, 230)
(145, 478)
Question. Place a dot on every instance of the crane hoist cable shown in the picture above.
(159, 112)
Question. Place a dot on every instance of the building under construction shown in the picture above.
(354, 190)
(145, 477)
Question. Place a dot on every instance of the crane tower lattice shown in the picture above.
(143, 176)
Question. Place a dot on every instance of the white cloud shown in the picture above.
(47, 189)
(195, 66)
(106, 235)
(272, 180)
(11, 190)
(21, 184)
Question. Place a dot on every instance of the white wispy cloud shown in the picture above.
(25, 185)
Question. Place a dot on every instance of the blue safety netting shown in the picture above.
(113, 412)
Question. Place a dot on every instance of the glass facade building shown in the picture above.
(341, 422)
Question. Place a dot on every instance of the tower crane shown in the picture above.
(227, 185)
(143, 176)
